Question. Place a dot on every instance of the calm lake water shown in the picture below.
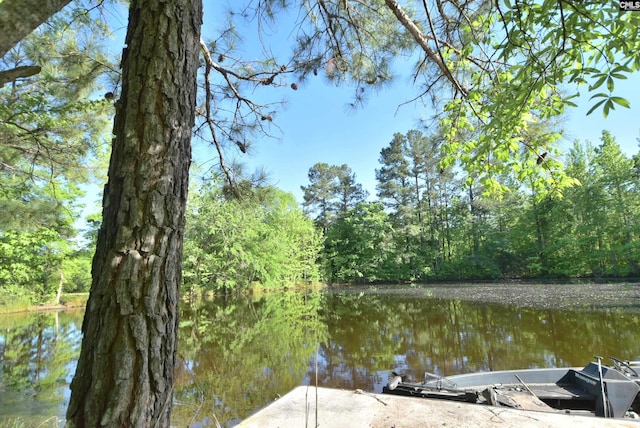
(238, 354)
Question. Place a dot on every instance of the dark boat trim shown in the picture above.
(610, 394)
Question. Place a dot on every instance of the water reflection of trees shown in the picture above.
(35, 355)
(237, 355)
(371, 335)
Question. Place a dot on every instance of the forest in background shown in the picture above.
(429, 223)
(432, 218)
(425, 224)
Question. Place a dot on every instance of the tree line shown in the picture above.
(52, 141)
(433, 223)
(426, 223)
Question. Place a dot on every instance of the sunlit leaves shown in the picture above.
(534, 48)
(232, 244)
(608, 103)
(356, 244)
(52, 128)
(49, 125)
(332, 190)
(603, 209)
(29, 262)
(485, 65)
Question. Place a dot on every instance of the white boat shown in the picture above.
(596, 389)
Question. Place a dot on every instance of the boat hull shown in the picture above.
(610, 394)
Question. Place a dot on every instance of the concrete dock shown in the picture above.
(355, 409)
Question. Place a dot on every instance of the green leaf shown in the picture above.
(618, 76)
(595, 106)
(600, 95)
(598, 83)
(608, 105)
(621, 101)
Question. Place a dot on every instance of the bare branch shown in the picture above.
(14, 74)
(422, 41)
(209, 64)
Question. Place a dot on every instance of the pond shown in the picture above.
(237, 354)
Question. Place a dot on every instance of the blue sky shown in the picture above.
(318, 126)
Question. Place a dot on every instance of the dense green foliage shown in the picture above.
(50, 133)
(261, 237)
(442, 225)
(495, 71)
(331, 192)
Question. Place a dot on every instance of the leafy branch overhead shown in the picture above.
(49, 125)
(492, 69)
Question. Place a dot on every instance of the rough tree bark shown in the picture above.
(18, 18)
(125, 370)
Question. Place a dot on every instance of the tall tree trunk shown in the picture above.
(125, 371)
(542, 251)
(60, 285)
